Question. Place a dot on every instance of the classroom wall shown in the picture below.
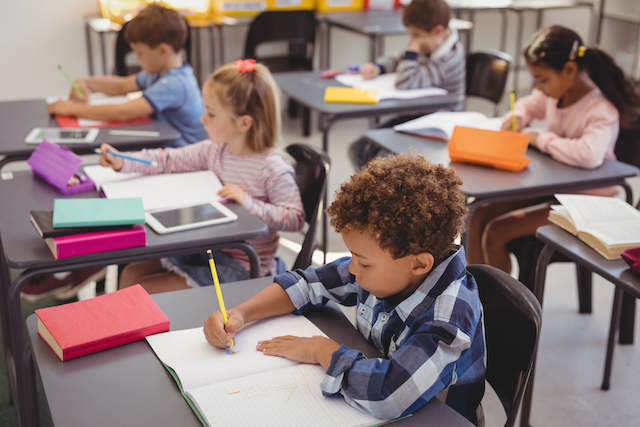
(35, 35)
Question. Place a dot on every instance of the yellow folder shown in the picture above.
(349, 94)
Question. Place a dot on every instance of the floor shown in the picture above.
(571, 349)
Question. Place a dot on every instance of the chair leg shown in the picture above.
(306, 121)
(627, 316)
(292, 109)
(584, 289)
(613, 327)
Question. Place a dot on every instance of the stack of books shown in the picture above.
(86, 226)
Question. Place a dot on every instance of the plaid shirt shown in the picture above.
(433, 341)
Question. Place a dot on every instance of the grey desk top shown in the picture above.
(307, 88)
(379, 22)
(128, 385)
(616, 271)
(18, 118)
(543, 175)
(24, 248)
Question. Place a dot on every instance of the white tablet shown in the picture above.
(171, 220)
(59, 135)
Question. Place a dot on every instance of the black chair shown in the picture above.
(298, 29)
(312, 170)
(487, 73)
(512, 320)
(123, 48)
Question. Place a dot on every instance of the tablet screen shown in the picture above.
(56, 134)
(188, 215)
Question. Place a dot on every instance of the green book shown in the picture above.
(97, 211)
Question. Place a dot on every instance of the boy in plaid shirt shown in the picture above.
(416, 303)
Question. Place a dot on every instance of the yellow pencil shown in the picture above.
(512, 98)
(216, 282)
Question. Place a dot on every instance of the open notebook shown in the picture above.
(162, 191)
(249, 388)
(98, 99)
(385, 86)
(440, 125)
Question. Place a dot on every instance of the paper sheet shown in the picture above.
(165, 191)
(385, 85)
(447, 121)
(97, 99)
(197, 363)
(103, 175)
(286, 397)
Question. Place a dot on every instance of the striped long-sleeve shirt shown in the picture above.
(445, 67)
(271, 192)
(433, 341)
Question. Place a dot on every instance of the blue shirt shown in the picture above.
(433, 340)
(176, 99)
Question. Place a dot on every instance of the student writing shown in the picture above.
(170, 89)
(242, 119)
(584, 97)
(415, 301)
(434, 58)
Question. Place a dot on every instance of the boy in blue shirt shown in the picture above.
(416, 303)
(170, 89)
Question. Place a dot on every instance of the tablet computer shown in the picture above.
(179, 219)
(59, 135)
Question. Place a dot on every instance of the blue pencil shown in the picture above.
(146, 162)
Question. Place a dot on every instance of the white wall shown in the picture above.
(35, 35)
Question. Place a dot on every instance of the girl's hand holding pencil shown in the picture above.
(109, 160)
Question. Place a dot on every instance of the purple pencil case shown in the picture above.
(57, 165)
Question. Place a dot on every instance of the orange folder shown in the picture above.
(500, 149)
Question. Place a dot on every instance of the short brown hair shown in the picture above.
(404, 202)
(426, 14)
(252, 93)
(156, 24)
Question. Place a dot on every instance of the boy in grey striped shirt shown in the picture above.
(434, 57)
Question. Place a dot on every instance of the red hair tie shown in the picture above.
(245, 65)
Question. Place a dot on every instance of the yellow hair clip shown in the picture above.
(581, 51)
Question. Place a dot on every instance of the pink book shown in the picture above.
(101, 241)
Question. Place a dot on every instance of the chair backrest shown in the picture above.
(628, 144)
(487, 73)
(312, 169)
(296, 27)
(123, 48)
(512, 320)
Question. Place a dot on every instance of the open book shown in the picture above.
(385, 86)
(98, 99)
(607, 224)
(161, 191)
(248, 388)
(440, 125)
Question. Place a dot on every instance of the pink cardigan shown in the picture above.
(582, 135)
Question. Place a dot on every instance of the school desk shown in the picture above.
(543, 176)
(128, 385)
(21, 247)
(307, 88)
(618, 272)
(374, 24)
(18, 118)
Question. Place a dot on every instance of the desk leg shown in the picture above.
(103, 55)
(87, 32)
(516, 64)
(212, 43)
(615, 324)
(538, 291)
(324, 244)
(503, 30)
(5, 280)
(628, 317)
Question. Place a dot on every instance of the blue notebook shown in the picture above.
(97, 211)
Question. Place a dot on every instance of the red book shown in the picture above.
(72, 122)
(84, 327)
(100, 241)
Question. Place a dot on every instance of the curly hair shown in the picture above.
(404, 202)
